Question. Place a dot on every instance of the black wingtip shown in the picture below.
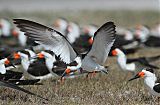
(107, 25)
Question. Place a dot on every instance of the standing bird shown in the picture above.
(5, 27)
(72, 32)
(35, 69)
(61, 24)
(12, 76)
(51, 39)
(22, 39)
(143, 35)
(132, 64)
(5, 64)
(150, 80)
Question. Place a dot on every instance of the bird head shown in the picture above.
(45, 54)
(16, 55)
(117, 52)
(146, 72)
(90, 40)
(14, 32)
(7, 61)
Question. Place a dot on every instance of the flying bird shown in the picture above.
(53, 40)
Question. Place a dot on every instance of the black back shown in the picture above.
(156, 88)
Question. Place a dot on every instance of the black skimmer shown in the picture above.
(6, 65)
(126, 42)
(132, 64)
(35, 69)
(72, 32)
(94, 60)
(143, 35)
(54, 65)
(41, 68)
(90, 29)
(61, 24)
(50, 59)
(22, 39)
(85, 40)
(5, 27)
(12, 76)
(150, 80)
(3, 63)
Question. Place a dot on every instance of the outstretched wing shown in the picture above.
(50, 38)
(103, 40)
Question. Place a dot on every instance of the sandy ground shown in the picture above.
(45, 5)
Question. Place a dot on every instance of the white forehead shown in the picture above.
(147, 73)
(62, 23)
(22, 54)
(3, 60)
(118, 50)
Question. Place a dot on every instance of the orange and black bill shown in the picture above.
(114, 52)
(139, 75)
(16, 56)
(40, 55)
(9, 62)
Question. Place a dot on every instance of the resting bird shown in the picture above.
(35, 69)
(53, 40)
(150, 80)
(132, 64)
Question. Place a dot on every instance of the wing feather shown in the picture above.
(104, 38)
(49, 38)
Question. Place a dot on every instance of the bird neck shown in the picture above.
(22, 39)
(2, 69)
(25, 63)
(49, 62)
(150, 81)
(122, 62)
(121, 59)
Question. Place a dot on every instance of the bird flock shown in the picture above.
(31, 52)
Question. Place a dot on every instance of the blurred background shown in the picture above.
(123, 12)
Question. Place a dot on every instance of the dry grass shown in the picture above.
(108, 89)
(104, 89)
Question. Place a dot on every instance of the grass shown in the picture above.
(108, 89)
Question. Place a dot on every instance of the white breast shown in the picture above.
(22, 39)
(2, 69)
